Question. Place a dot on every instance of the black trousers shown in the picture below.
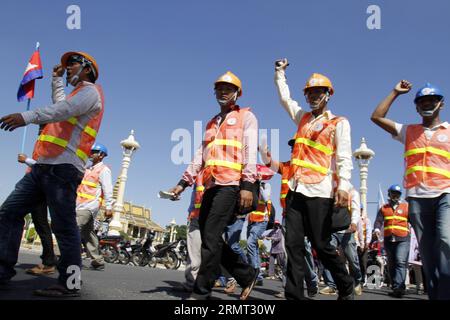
(217, 210)
(311, 217)
(40, 221)
(363, 257)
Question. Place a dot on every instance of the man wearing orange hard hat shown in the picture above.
(225, 164)
(322, 151)
(71, 125)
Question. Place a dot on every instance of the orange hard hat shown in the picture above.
(65, 57)
(319, 80)
(230, 77)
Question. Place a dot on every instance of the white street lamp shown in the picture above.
(363, 155)
(129, 146)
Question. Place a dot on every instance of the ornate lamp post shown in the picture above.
(363, 155)
(172, 229)
(129, 146)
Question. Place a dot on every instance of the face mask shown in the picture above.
(319, 104)
(429, 113)
(227, 102)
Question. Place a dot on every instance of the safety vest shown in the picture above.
(262, 211)
(55, 137)
(198, 197)
(427, 161)
(87, 190)
(395, 222)
(223, 146)
(313, 150)
(284, 170)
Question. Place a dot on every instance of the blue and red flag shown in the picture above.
(32, 72)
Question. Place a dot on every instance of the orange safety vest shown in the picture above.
(314, 149)
(427, 161)
(55, 137)
(224, 148)
(262, 211)
(199, 192)
(284, 170)
(395, 222)
(87, 190)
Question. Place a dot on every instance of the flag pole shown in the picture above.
(22, 150)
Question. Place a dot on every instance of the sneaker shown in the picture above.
(247, 290)
(259, 282)
(41, 269)
(280, 295)
(231, 286)
(329, 291)
(312, 292)
(358, 290)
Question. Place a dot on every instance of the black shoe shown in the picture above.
(312, 292)
(351, 296)
(5, 284)
(397, 293)
(95, 268)
(259, 282)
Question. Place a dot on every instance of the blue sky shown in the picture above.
(158, 61)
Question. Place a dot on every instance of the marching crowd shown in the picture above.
(324, 233)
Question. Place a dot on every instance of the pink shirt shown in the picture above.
(250, 149)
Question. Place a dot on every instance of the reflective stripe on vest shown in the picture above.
(395, 221)
(89, 186)
(225, 142)
(89, 183)
(222, 148)
(309, 165)
(427, 160)
(396, 227)
(224, 163)
(314, 148)
(315, 145)
(59, 134)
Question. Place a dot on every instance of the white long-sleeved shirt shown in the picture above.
(368, 239)
(30, 162)
(342, 160)
(105, 186)
(421, 190)
(85, 105)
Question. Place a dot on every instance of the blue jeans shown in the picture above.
(233, 235)
(56, 184)
(348, 244)
(430, 218)
(397, 254)
(254, 232)
(311, 278)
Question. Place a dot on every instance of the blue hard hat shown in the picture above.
(395, 188)
(99, 147)
(428, 90)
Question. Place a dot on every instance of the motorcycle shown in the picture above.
(108, 244)
(181, 251)
(125, 251)
(166, 255)
(109, 247)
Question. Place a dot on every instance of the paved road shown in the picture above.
(119, 282)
